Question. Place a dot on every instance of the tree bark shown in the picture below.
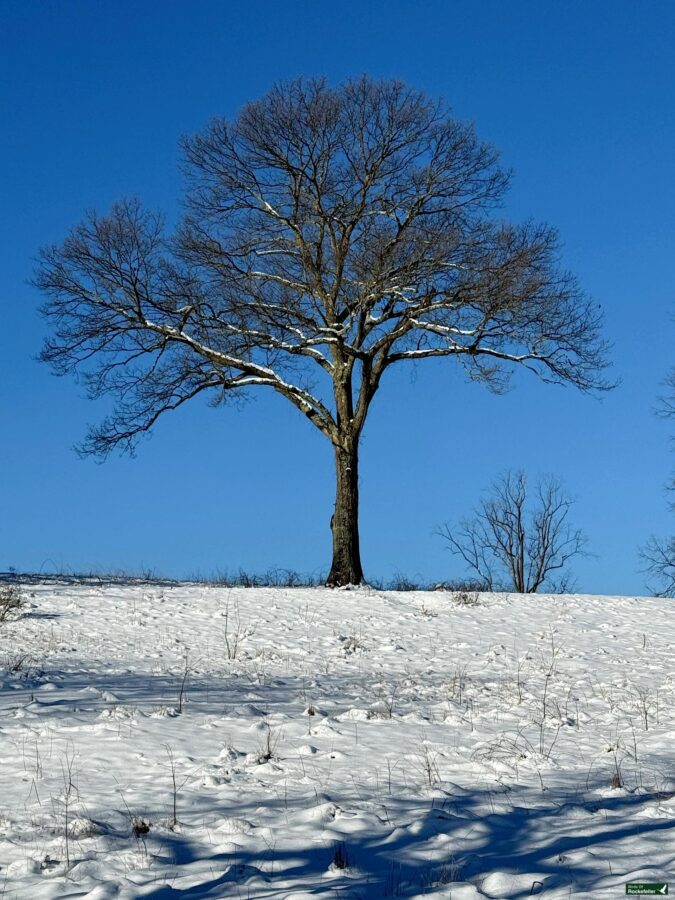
(346, 566)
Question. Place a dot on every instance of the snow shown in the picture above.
(356, 744)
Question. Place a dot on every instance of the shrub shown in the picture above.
(466, 598)
(466, 585)
(11, 601)
(401, 582)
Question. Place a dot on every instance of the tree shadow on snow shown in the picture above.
(416, 844)
(391, 865)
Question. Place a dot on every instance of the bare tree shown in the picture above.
(330, 234)
(509, 541)
(658, 555)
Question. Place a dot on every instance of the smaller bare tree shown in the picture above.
(508, 542)
(658, 554)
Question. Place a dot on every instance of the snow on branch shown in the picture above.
(330, 233)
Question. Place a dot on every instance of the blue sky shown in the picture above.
(578, 96)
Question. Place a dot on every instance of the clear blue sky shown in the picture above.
(578, 96)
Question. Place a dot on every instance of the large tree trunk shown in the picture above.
(346, 567)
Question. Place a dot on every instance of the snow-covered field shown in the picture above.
(355, 744)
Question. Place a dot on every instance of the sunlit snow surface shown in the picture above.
(432, 765)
